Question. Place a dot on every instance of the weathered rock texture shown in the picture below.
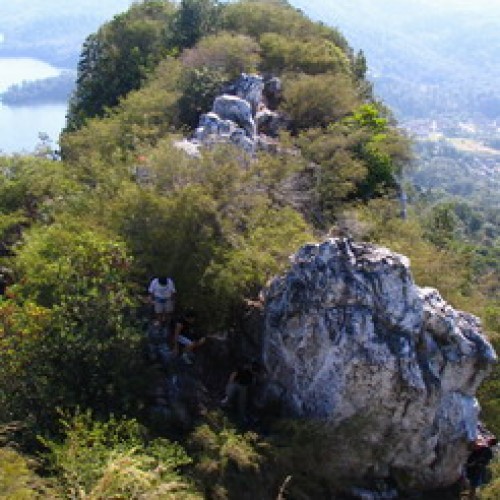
(392, 368)
(240, 116)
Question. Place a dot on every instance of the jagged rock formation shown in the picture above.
(244, 115)
(392, 368)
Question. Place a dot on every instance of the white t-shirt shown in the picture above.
(162, 291)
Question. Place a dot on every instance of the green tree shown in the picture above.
(200, 87)
(194, 20)
(116, 59)
(257, 17)
(67, 337)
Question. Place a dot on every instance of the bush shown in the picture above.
(227, 53)
(315, 56)
(139, 120)
(211, 224)
(316, 101)
(228, 464)
(112, 459)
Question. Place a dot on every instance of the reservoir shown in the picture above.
(20, 125)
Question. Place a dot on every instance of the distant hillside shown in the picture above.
(52, 30)
(53, 89)
(425, 57)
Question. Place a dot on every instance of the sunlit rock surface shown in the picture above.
(350, 339)
(241, 115)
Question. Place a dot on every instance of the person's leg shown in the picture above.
(231, 391)
(242, 392)
(163, 313)
(475, 481)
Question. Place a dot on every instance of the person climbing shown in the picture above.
(239, 386)
(162, 295)
(158, 350)
(477, 462)
(185, 337)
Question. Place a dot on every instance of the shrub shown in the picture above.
(227, 53)
(139, 119)
(111, 459)
(315, 56)
(317, 101)
(228, 464)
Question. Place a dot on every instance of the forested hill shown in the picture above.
(82, 236)
(426, 57)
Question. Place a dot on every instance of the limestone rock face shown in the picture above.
(350, 339)
(240, 116)
(237, 110)
(249, 88)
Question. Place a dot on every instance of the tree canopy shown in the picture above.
(82, 236)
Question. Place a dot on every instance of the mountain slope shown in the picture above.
(417, 43)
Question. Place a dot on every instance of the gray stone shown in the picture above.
(272, 93)
(237, 110)
(234, 114)
(248, 88)
(240, 139)
(213, 124)
(268, 122)
(191, 148)
(350, 339)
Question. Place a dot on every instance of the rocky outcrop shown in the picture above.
(249, 88)
(391, 368)
(241, 116)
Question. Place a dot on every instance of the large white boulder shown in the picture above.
(350, 339)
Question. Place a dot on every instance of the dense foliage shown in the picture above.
(82, 236)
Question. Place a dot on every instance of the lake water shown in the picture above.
(20, 125)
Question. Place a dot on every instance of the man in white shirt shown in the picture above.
(162, 293)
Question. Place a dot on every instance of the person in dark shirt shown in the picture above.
(475, 468)
(238, 386)
(184, 336)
